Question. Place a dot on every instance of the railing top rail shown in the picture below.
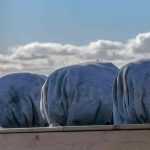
(77, 128)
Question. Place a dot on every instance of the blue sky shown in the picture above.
(71, 21)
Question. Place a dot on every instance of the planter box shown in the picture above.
(124, 137)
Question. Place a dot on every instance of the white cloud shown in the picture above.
(46, 57)
(141, 44)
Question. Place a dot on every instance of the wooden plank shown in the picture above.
(126, 137)
(105, 140)
(76, 128)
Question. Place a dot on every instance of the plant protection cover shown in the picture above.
(131, 94)
(79, 95)
(20, 100)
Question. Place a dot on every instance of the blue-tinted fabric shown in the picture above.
(20, 100)
(131, 94)
(79, 95)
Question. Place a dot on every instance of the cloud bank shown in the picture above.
(46, 57)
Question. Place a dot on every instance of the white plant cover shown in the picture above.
(132, 94)
(79, 95)
(20, 100)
